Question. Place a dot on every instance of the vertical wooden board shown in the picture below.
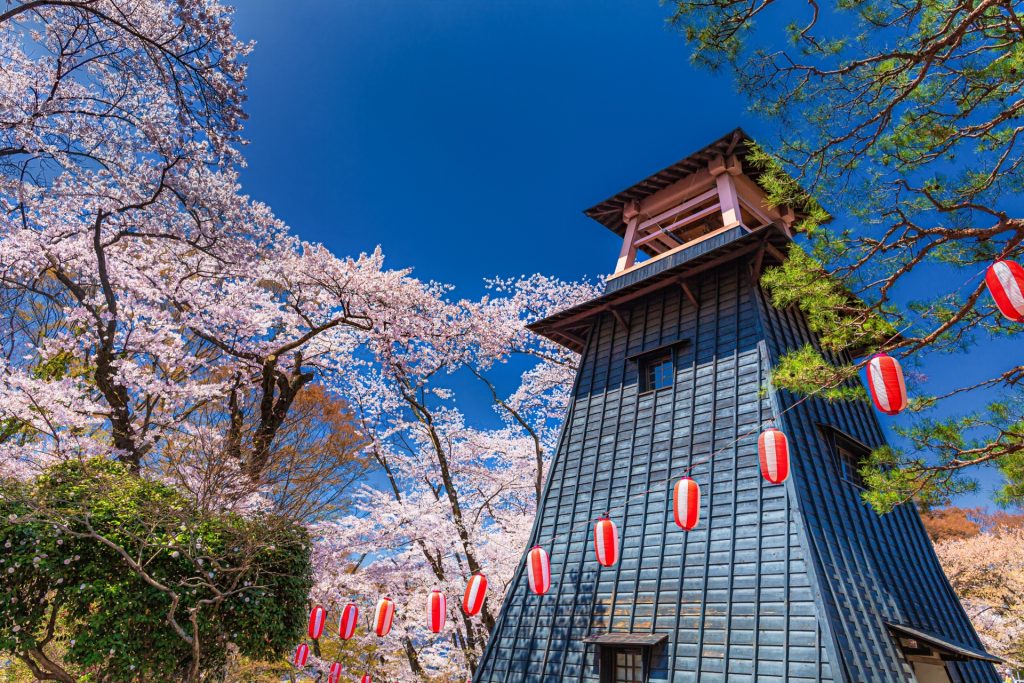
(873, 568)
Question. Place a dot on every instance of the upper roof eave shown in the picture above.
(609, 212)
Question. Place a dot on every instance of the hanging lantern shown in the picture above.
(686, 503)
(316, 622)
(334, 675)
(538, 568)
(301, 655)
(1005, 280)
(366, 679)
(476, 591)
(606, 542)
(384, 616)
(885, 381)
(773, 452)
(437, 608)
(347, 623)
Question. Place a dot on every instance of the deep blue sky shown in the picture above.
(466, 136)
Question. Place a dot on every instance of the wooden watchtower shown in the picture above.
(796, 582)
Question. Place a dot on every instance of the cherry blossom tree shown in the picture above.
(138, 286)
(987, 571)
(456, 498)
(155, 315)
(152, 313)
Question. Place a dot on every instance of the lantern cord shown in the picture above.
(686, 470)
(772, 420)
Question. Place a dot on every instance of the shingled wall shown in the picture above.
(742, 597)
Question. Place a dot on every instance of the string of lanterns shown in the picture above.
(384, 615)
(887, 387)
(1005, 281)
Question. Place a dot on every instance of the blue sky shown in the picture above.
(466, 136)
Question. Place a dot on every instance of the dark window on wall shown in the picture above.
(849, 453)
(657, 371)
(849, 463)
(629, 667)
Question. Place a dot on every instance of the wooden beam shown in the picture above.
(664, 240)
(680, 223)
(774, 251)
(754, 195)
(765, 220)
(575, 339)
(627, 255)
(729, 200)
(677, 192)
(618, 316)
(688, 204)
(689, 294)
(758, 261)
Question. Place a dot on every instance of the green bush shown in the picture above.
(93, 557)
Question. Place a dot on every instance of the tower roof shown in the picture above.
(609, 213)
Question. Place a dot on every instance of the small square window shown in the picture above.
(629, 667)
(657, 371)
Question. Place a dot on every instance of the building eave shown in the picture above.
(941, 643)
(569, 327)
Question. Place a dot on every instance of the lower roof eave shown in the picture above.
(942, 643)
(568, 327)
(628, 639)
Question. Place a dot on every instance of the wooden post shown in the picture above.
(723, 171)
(627, 255)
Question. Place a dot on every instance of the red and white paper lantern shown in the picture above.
(686, 503)
(885, 382)
(1005, 280)
(538, 569)
(773, 453)
(606, 542)
(334, 675)
(317, 619)
(301, 655)
(476, 591)
(348, 621)
(384, 616)
(437, 608)
(366, 679)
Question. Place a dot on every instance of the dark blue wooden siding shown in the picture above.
(736, 596)
(873, 568)
(777, 583)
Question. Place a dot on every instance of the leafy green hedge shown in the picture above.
(110, 624)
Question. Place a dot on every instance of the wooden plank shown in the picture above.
(676, 192)
(680, 223)
(689, 293)
(676, 210)
(627, 255)
(729, 200)
(672, 251)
